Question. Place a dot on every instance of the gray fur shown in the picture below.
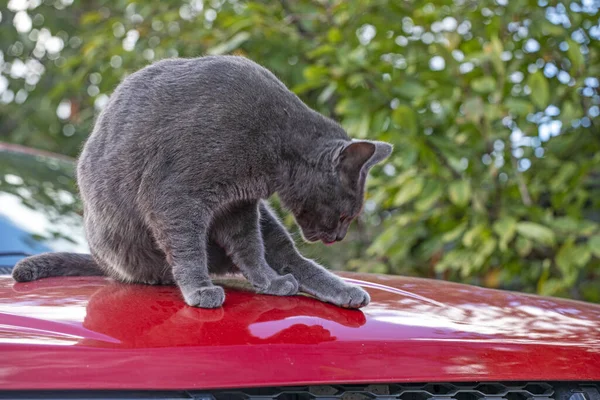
(174, 175)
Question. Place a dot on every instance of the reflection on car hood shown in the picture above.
(95, 333)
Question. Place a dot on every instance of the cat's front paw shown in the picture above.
(285, 285)
(351, 296)
(205, 297)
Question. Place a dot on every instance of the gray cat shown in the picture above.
(173, 176)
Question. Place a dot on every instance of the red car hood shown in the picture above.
(75, 333)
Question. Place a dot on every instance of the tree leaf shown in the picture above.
(594, 245)
(485, 84)
(505, 228)
(569, 112)
(357, 126)
(454, 233)
(334, 35)
(383, 242)
(429, 196)
(550, 29)
(321, 51)
(565, 173)
(523, 246)
(236, 41)
(536, 232)
(404, 117)
(496, 56)
(91, 17)
(410, 90)
(470, 236)
(411, 189)
(571, 257)
(460, 193)
(316, 73)
(362, 130)
(575, 56)
(519, 107)
(474, 109)
(327, 93)
(540, 90)
(567, 225)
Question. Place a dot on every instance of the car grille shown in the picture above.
(425, 391)
(428, 391)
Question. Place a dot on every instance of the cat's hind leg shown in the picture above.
(237, 231)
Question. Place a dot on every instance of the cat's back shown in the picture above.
(189, 81)
(178, 106)
(178, 95)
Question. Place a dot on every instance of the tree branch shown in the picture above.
(294, 20)
(444, 160)
(525, 197)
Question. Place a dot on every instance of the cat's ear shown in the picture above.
(357, 157)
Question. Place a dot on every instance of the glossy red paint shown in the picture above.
(91, 333)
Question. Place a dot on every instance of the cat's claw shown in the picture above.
(285, 285)
(206, 297)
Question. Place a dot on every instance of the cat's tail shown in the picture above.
(55, 264)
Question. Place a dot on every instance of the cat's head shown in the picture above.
(324, 201)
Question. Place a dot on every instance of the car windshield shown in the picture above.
(39, 207)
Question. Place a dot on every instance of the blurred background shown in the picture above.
(493, 108)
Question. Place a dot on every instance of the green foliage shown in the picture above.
(492, 107)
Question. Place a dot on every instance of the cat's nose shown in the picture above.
(341, 233)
